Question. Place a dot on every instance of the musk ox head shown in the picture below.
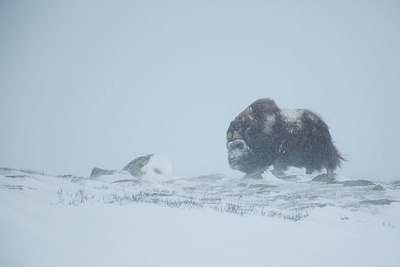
(263, 135)
(250, 139)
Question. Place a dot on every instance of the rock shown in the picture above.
(378, 188)
(153, 165)
(324, 178)
(208, 178)
(135, 166)
(158, 166)
(396, 183)
(357, 183)
(96, 172)
(282, 175)
(377, 202)
(262, 186)
(134, 181)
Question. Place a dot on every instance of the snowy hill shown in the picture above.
(119, 220)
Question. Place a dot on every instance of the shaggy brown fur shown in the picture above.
(264, 135)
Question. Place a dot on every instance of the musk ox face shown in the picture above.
(249, 136)
(264, 135)
(238, 150)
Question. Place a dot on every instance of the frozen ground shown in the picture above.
(202, 221)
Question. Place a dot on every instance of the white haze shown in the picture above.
(98, 83)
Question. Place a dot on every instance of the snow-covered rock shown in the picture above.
(96, 172)
(158, 166)
(149, 166)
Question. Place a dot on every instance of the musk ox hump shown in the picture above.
(266, 112)
(246, 114)
(270, 120)
(264, 106)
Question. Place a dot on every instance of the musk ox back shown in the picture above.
(264, 135)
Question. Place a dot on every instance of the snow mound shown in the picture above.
(158, 166)
(291, 196)
(123, 220)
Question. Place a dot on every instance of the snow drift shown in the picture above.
(210, 220)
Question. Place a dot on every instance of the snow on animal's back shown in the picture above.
(292, 115)
(293, 119)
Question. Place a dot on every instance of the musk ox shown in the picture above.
(264, 135)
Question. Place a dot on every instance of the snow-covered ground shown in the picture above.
(118, 220)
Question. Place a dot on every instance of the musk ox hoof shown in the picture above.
(324, 178)
(264, 135)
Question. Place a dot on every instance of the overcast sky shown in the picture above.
(99, 83)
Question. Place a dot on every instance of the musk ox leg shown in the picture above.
(279, 169)
(280, 166)
(330, 173)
